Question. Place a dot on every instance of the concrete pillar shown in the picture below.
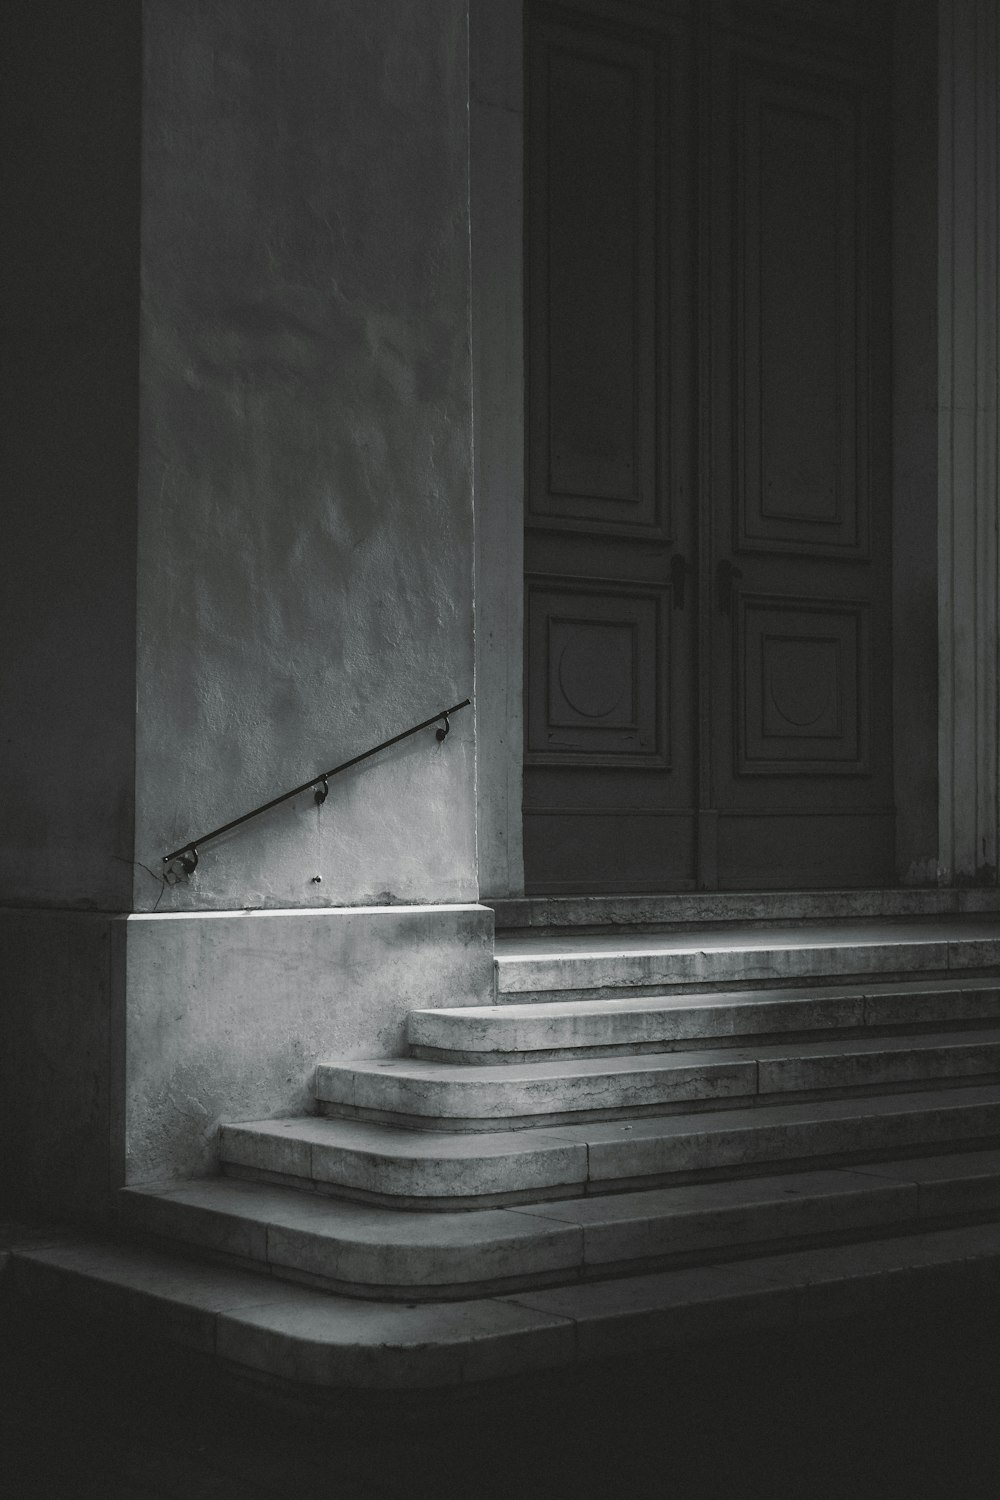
(241, 551)
(968, 560)
(497, 150)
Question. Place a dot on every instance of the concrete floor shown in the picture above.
(847, 1412)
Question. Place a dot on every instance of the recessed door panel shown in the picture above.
(798, 503)
(800, 326)
(600, 681)
(802, 681)
(593, 281)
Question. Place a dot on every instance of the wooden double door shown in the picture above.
(707, 593)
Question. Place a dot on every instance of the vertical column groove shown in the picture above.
(969, 562)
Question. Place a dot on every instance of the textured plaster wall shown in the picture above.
(69, 307)
(229, 1012)
(305, 499)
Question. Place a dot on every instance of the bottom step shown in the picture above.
(311, 1338)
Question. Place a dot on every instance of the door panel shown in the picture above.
(600, 680)
(799, 344)
(608, 788)
(798, 501)
(737, 732)
(593, 282)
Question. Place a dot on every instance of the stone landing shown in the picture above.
(648, 1138)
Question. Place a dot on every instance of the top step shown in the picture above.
(698, 908)
(585, 965)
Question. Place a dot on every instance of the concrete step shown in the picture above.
(435, 1095)
(578, 1028)
(447, 1169)
(307, 1337)
(369, 1250)
(607, 967)
(685, 909)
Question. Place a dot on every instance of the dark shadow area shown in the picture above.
(881, 1408)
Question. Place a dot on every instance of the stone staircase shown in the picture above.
(655, 1134)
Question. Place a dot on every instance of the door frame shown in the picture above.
(922, 630)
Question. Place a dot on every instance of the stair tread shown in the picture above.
(586, 963)
(539, 948)
(498, 1033)
(394, 1141)
(323, 1339)
(520, 1093)
(470, 1074)
(642, 1005)
(375, 1224)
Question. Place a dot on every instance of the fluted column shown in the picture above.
(968, 560)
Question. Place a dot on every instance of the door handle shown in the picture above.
(726, 574)
(678, 579)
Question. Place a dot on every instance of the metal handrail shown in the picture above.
(188, 853)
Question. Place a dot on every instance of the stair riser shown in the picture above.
(551, 1119)
(681, 911)
(297, 1337)
(615, 1165)
(520, 981)
(565, 1251)
(614, 1162)
(503, 1038)
(523, 1102)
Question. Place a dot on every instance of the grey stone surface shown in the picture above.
(708, 1216)
(599, 965)
(978, 954)
(305, 528)
(954, 1184)
(684, 908)
(734, 1138)
(441, 1090)
(254, 997)
(418, 1164)
(869, 1061)
(913, 1004)
(500, 1032)
(615, 1318)
(566, 1025)
(280, 1146)
(159, 1294)
(315, 1339)
(359, 1244)
(309, 1337)
(847, 1280)
(201, 1213)
(436, 1092)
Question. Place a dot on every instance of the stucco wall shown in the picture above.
(229, 1012)
(69, 305)
(305, 505)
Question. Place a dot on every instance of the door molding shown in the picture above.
(934, 843)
